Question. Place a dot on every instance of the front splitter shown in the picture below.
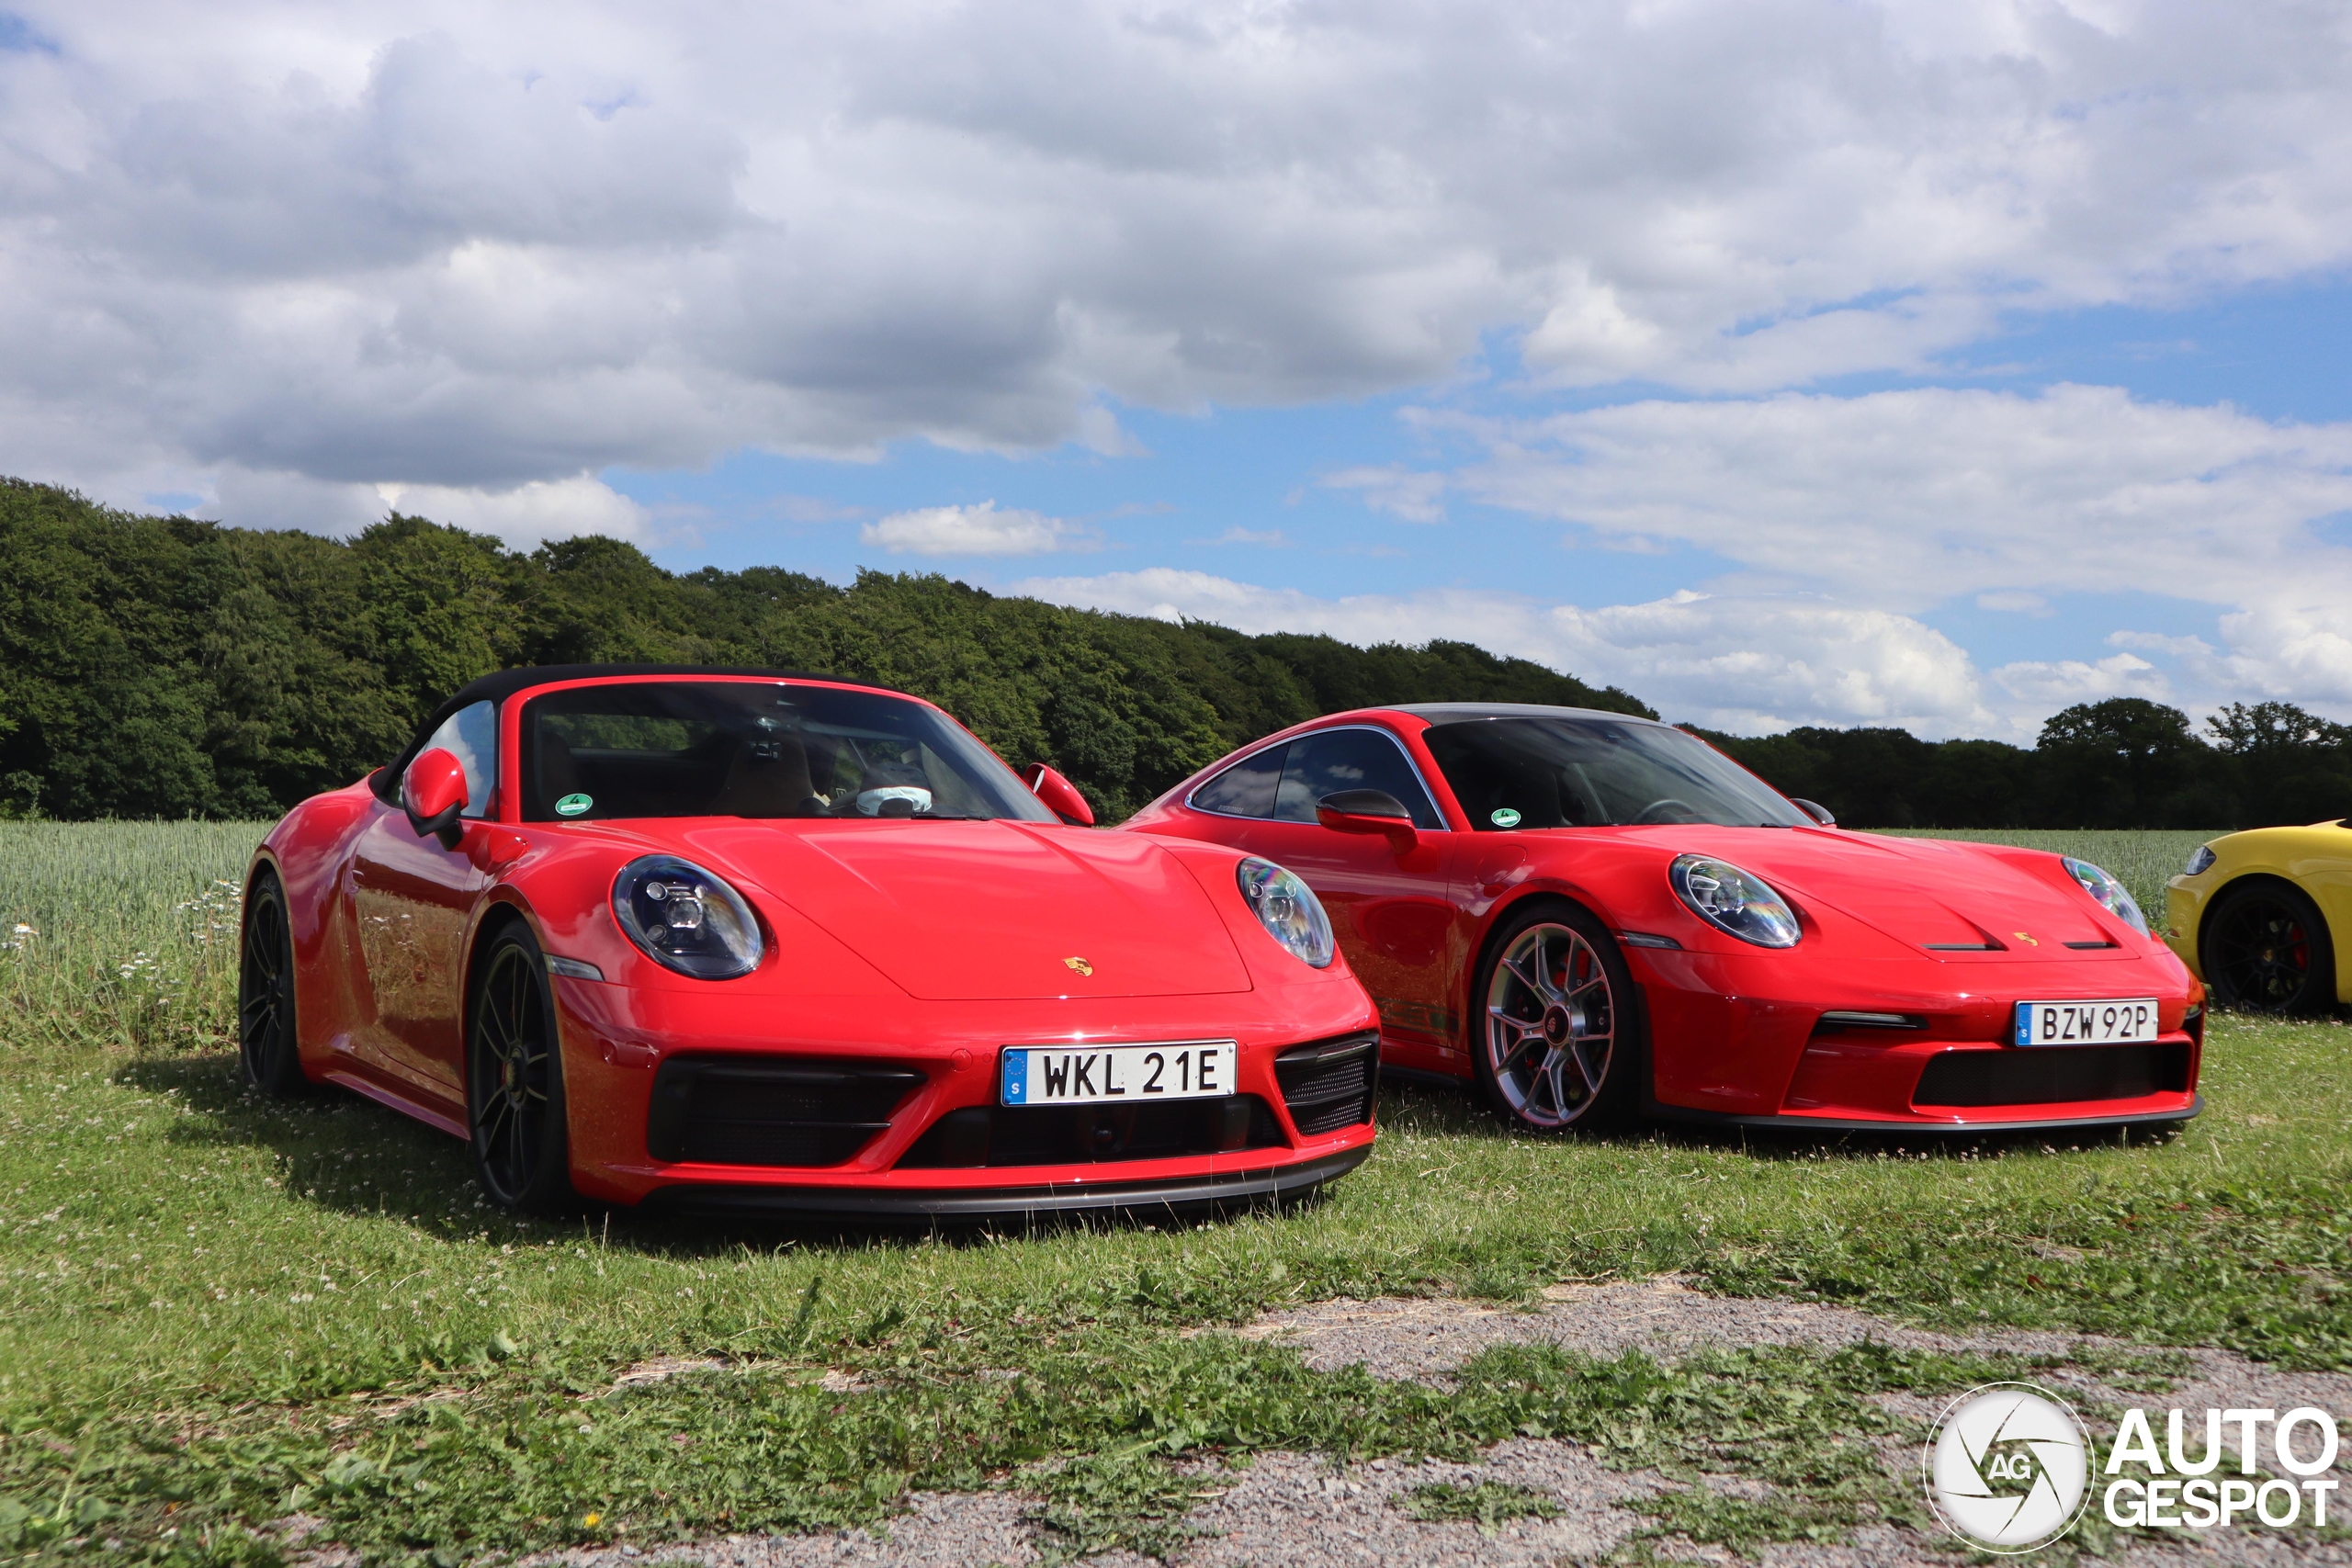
(1949, 1128)
(994, 1203)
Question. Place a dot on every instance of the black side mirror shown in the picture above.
(1816, 810)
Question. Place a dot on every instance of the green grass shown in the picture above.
(215, 1310)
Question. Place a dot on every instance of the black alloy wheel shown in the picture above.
(2267, 949)
(514, 1080)
(265, 1039)
(1556, 1040)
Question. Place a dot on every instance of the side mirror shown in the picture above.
(1816, 810)
(1368, 811)
(433, 792)
(1059, 794)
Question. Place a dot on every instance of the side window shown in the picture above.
(470, 735)
(1335, 759)
(1245, 789)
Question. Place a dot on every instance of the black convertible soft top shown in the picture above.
(498, 686)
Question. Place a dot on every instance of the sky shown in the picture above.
(1782, 361)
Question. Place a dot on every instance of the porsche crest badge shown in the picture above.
(1079, 965)
(2025, 939)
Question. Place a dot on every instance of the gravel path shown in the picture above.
(1289, 1510)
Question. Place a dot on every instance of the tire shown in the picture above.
(266, 1040)
(515, 1101)
(1556, 1039)
(2266, 948)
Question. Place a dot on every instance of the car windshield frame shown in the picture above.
(684, 747)
(1512, 773)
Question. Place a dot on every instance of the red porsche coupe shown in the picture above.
(1599, 917)
(725, 939)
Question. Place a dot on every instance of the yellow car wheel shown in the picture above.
(2267, 950)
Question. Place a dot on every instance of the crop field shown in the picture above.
(222, 1317)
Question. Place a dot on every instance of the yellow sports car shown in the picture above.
(2265, 917)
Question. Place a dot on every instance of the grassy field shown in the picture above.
(217, 1312)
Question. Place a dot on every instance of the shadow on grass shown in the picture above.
(344, 1153)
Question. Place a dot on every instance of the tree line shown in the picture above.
(2124, 762)
(170, 666)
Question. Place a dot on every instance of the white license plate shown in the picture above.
(2111, 1020)
(1096, 1075)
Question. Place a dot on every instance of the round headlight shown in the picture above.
(1737, 902)
(2102, 886)
(1289, 910)
(2200, 860)
(685, 918)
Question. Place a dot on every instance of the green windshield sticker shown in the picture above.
(573, 804)
(1506, 817)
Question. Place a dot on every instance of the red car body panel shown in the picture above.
(1735, 1032)
(927, 945)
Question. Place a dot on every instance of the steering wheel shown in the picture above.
(1655, 812)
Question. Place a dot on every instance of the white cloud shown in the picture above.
(1744, 664)
(1415, 497)
(522, 515)
(527, 513)
(1906, 499)
(978, 530)
(2050, 684)
(1270, 539)
(434, 243)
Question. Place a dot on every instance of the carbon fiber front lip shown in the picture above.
(958, 1203)
(1830, 1124)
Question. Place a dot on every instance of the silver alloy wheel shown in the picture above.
(1550, 1025)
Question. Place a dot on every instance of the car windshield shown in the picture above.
(755, 749)
(1593, 773)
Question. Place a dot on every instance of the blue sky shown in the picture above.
(1238, 491)
(1784, 361)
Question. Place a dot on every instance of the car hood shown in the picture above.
(1947, 897)
(993, 911)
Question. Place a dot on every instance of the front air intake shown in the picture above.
(1009, 1135)
(2052, 1075)
(1331, 1085)
(770, 1111)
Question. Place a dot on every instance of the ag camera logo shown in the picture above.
(2008, 1467)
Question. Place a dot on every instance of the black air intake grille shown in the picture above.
(1087, 1134)
(2052, 1075)
(1330, 1085)
(775, 1111)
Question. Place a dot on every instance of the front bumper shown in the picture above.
(1747, 1041)
(910, 1159)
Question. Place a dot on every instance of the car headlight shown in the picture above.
(1289, 910)
(2108, 891)
(2200, 860)
(685, 918)
(1738, 903)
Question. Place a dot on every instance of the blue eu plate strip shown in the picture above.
(2025, 1023)
(1016, 1076)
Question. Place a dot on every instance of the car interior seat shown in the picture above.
(768, 776)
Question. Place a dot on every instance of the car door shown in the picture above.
(412, 898)
(1391, 908)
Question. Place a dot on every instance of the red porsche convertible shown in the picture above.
(1598, 917)
(729, 939)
